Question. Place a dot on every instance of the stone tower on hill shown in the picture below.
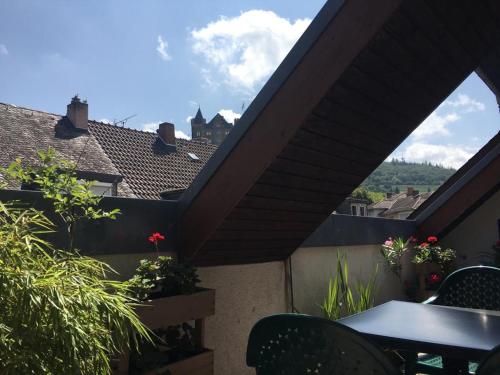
(215, 131)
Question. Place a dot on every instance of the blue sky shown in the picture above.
(160, 59)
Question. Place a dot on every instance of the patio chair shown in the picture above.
(490, 365)
(295, 344)
(475, 287)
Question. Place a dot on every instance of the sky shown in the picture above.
(159, 60)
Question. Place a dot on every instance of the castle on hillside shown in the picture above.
(214, 132)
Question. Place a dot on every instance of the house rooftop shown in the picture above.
(146, 164)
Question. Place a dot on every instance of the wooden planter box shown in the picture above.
(201, 364)
(169, 311)
(175, 310)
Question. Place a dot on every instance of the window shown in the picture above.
(197, 134)
(193, 156)
(361, 211)
(102, 189)
(354, 211)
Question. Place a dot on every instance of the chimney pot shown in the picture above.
(78, 113)
(166, 131)
(410, 191)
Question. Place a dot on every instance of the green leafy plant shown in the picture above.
(57, 180)
(59, 312)
(342, 298)
(393, 250)
(163, 277)
(431, 252)
(169, 345)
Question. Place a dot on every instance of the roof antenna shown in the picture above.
(122, 122)
(242, 107)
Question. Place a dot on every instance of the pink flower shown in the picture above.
(424, 245)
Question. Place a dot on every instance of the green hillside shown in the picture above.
(396, 175)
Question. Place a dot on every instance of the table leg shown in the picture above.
(410, 362)
(453, 366)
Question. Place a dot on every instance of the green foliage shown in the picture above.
(59, 314)
(371, 196)
(433, 253)
(169, 345)
(394, 175)
(393, 250)
(342, 299)
(72, 198)
(163, 277)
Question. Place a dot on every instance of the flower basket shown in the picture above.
(170, 311)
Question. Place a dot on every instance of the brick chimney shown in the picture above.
(410, 191)
(78, 113)
(166, 132)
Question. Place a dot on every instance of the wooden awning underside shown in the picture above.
(359, 81)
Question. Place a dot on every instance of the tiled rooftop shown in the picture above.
(146, 164)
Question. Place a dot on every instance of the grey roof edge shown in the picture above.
(347, 230)
(324, 17)
(461, 182)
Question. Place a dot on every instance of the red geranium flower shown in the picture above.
(435, 278)
(432, 239)
(155, 237)
(424, 244)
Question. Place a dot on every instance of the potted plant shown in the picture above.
(433, 264)
(59, 311)
(171, 300)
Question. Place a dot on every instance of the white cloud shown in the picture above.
(181, 134)
(246, 49)
(435, 124)
(151, 127)
(188, 119)
(447, 155)
(162, 49)
(450, 111)
(3, 50)
(229, 115)
(465, 104)
(105, 121)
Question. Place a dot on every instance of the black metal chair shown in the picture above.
(490, 365)
(475, 287)
(295, 344)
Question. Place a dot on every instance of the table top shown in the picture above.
(448, 331)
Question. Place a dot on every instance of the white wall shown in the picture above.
(313, 268)
(474, 237)
(246, 293)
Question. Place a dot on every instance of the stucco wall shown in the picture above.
(244, 294)
(313, 267)
(473, 237)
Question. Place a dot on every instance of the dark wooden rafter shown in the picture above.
(358, 82)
